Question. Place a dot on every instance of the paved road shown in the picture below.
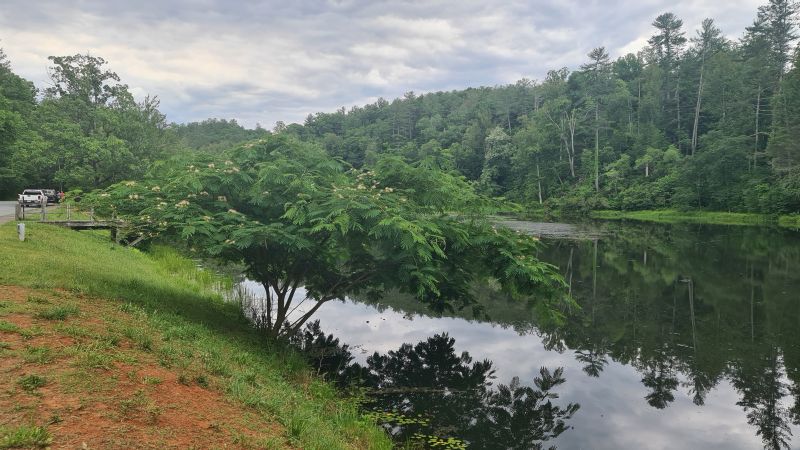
(7, 211)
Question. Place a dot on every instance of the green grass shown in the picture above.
(31, 382)
(37, 355)
(8, 327)
(97, 354)
(24, 436)
(174, 313)
(38, 300)
(675, 216)
(140, 337)
(58, 313)
(792, 221)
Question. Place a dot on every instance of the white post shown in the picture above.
(21, 231)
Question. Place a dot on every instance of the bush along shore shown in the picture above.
(141, 345)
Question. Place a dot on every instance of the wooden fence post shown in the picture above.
(18, 212)
(113, 228)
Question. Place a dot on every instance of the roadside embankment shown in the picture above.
(139, 345)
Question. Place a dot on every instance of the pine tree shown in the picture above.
(667, 45)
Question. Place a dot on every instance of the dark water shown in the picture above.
(688, 337)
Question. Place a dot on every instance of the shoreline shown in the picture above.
(700, 217)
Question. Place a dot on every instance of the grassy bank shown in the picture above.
(706, 217)
(792, 221)
(79, 313)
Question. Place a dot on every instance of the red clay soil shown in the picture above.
(136, 404)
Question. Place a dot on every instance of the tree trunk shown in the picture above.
(573, 123)
(597, 147)
(678, 111)
(269, 306)
(697, 107)
(639, 108)
(569, 271)
(691, 313)
(723, 106)
(539, 181)
(752, 304)
(630, 116)
(594, 278)
(295, 327)
(280, 314)
(758, 111)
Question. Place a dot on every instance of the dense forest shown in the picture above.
(87, 131)
(693, 120)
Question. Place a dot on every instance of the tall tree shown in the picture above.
(17, 101)
(496, 166)
(709, 40)
(598, 71)
(4, 62)
(667, 45)
(783, 143)
(759, 78)
(84, 80)
(780, 19)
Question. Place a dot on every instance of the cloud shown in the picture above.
(268, 61)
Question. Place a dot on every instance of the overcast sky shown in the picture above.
(260, 62)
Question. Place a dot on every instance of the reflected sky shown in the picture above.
(743, 305)
(613, 412)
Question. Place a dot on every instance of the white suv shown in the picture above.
(32, 197)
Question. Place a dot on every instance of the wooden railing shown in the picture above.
(69, 215)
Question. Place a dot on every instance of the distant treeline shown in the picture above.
(693, 120)
(86, 131)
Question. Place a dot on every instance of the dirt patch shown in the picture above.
(99, 390)
(14, 293)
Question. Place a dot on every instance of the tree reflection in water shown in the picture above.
(427, 393)
(690, 307)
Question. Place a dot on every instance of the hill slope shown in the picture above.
(112, 347)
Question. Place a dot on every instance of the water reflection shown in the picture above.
(428, 393)
(688, 307)
(687, 336)
(701, 304)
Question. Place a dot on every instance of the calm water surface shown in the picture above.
(687, 337)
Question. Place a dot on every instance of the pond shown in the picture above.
(688, 336)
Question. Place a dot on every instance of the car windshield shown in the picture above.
(32, 193)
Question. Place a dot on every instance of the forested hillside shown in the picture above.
(87, 131)
(694, 120)
(214, 135)
(84, 131)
